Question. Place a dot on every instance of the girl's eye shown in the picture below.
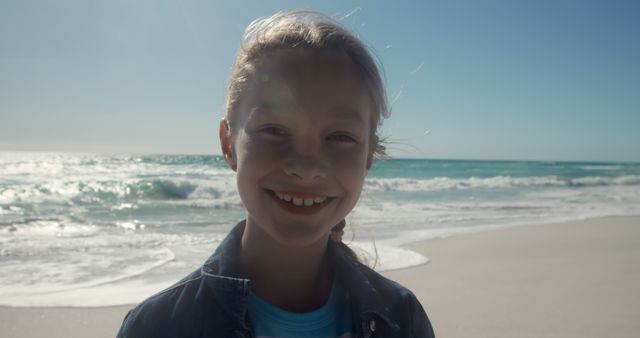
(342, 138)
(275, 131)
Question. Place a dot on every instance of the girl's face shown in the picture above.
(300, 144)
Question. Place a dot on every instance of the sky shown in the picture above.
(479, 79)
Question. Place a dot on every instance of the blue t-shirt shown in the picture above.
(332, 320)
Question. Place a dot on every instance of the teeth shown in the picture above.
(307, 202)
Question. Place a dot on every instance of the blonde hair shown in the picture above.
(311, 31)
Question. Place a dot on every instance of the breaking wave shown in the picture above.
(111, 191)
(445, 183)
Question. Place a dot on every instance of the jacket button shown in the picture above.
(372, 325)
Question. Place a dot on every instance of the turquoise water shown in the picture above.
(94, 229)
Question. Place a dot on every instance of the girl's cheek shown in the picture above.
(259, 150)
(351, 157)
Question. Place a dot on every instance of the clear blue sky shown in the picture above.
(547, 80)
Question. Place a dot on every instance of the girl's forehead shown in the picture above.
(303, 76)
(306, 61)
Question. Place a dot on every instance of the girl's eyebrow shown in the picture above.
(261, 109)
(268, 112)
(347, 113)
(263, 106)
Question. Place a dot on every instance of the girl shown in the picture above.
(300, 130)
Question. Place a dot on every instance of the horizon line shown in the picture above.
(151, 153)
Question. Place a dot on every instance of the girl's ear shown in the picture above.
(226, 144)
(369, 160)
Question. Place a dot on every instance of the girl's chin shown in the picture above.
(290, 238)
(295, 233)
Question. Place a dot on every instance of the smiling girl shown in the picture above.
(304, 104)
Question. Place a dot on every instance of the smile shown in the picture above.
(300, 201)
(296, 203)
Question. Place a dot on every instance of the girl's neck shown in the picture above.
(293, 278)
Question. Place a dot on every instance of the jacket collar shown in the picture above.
(365, 298)
(221, 273)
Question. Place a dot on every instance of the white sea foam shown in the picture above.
(599, 180)
(133, 225)
(133, 286)
(61, 276)
(383, 257)
(601, 167)
(124, 206)
(123, 293)
(50, 228)
(63, 189)
(9, 209)
(445, 183)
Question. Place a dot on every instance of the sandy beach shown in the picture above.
(575, 279)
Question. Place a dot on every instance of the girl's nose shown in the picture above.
(306, 168)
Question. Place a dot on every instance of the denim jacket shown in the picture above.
(211, 302)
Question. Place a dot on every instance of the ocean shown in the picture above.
(99, 230)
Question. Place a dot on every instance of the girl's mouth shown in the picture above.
(299, 200)
(299, 204)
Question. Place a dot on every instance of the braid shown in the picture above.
(338, 231)
(336, 235)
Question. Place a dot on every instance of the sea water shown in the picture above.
(97, 230)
